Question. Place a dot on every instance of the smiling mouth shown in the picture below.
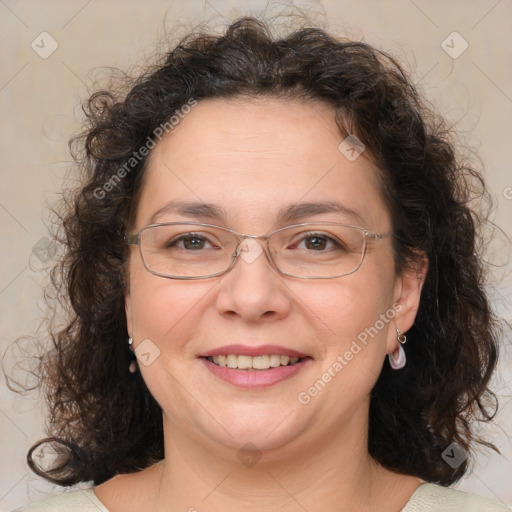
(256, 363)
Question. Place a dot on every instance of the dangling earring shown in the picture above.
(133, 365)
(397, 359)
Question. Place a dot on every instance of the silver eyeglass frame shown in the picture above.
(134, 239)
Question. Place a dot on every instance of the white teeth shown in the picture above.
(244, 362)
(275, 361)
(260, 362)
(253, 363)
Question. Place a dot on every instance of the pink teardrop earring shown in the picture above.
(133, 365)
(397, 359)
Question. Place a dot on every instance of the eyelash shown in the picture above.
(303, 237)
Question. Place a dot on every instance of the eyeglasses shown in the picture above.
(192, 250)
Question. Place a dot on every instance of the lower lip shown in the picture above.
(255, 378)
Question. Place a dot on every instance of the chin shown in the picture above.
(273, 429)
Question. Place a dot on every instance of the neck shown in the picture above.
(335, 473)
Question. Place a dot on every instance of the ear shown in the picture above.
(407, 294)
(128, 311)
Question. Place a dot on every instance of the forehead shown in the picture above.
(254, 156)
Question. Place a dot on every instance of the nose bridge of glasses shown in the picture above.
(249, 247)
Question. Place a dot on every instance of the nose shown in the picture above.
(253, 289)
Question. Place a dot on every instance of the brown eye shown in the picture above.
(316, 242)
(189, 241)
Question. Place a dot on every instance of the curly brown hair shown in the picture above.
(104, 417)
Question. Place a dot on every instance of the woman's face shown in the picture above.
(252, 160)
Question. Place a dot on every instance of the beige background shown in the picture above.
(39, 100)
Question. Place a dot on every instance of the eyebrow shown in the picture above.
(290, 213)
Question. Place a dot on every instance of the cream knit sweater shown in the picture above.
(426, 498)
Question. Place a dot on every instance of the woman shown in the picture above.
(262, 222)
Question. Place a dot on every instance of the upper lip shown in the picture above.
(247, 350)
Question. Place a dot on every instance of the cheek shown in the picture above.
(351, 305)
(357, 312)
(164, 318)
(162, 309)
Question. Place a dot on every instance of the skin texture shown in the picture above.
(253, 157)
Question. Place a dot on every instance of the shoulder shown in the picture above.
(435, 498)
(84, 500)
